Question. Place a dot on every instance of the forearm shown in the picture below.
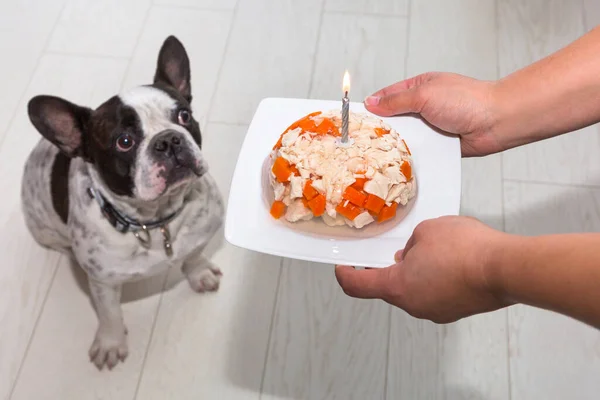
(558, 94)
(555, 272)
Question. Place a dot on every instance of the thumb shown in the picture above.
(363, 284)
(387, 105)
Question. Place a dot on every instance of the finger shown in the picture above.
(373, 100)
(401, 254)
(399, 98)
(412, 240)
(363, 284)
(395, 88)
(404, 85)
(403, 102)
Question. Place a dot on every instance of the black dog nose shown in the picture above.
(167, 142)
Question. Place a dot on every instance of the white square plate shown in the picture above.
(437, 167)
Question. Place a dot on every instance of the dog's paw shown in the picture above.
(109, 347)
(205, 279)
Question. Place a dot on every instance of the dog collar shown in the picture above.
(124, 224)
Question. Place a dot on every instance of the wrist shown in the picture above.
(505, 255)
(504, 112)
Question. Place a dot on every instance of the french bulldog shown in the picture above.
(124, 190)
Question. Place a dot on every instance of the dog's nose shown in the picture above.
(168, 142)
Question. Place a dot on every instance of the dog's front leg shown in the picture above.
(110, 343)
(201, 273)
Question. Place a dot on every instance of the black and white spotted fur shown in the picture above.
(142, 151)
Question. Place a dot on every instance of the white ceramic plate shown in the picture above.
(436, 166)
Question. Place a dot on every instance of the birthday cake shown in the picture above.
(314, 174)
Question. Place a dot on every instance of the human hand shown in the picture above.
(443, 274)
(452, 103)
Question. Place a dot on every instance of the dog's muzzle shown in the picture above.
(171, 146)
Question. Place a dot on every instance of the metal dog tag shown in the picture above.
(167, 240)
(144, 239)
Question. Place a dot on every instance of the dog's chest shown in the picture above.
(109, 255)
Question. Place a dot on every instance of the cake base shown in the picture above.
(317, 227)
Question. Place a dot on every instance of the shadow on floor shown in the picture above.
(315, 354)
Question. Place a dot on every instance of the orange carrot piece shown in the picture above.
(327, 127)
(305, 202)
(359, 183)
(309, 191)
(354, 196)
(407, 149)
(278, 209)
(348, 210)
(294, 170)
(380, 132)
(308, 125)
(406, 170)
(317, 205)
(387, 212)
(281, 169)
(297, 123)
(374, 203)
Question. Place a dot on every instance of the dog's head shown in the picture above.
(143, 143)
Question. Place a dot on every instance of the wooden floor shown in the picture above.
(282, 329)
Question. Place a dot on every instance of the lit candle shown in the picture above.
(345, 107)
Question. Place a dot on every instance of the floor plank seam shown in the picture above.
(193, 8)
(316, 49)
(228, 123)
(584, 19)
(366, 14)
(135, 47)
(555, 184)
(407, 45)
(508, 357)
(152, 328)
(33, 331)
(223, 59)
(33, 73)
(387, 355)
(271, 323)
(86, 55)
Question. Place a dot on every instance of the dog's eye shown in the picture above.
(184, 117)
(125, 142)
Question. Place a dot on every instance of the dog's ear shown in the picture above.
(174, 67)
(61, 122)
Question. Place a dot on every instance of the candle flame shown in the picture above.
(346, 84)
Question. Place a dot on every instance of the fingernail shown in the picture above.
(398, 256)
(372, 100)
